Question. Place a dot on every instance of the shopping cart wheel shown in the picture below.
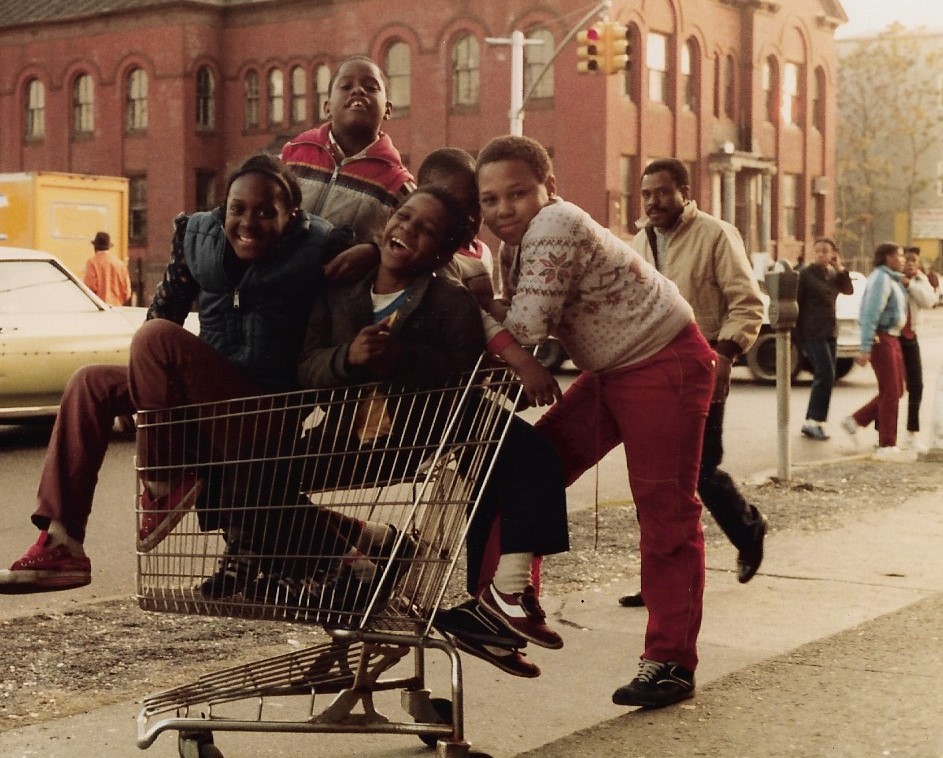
(197, 745)
(443, 708)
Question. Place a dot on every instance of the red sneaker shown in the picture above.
(159, 515)
(521, 613)
(45, 567)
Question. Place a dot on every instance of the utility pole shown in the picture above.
(517, 41)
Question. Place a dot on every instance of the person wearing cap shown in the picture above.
(105, 275)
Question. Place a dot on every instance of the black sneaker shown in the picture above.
(750, 558)
(632, 601)
(656, 685)
(237, 574)
(471, 623)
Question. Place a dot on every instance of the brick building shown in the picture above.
(172, 93)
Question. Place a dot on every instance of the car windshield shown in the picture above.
(40, 287)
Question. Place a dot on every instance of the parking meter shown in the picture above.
(782, 284)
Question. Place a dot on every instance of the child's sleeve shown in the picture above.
(321, 362)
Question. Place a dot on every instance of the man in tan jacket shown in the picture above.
(706, 258)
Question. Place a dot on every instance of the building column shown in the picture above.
(715, 209)
(729, 213)
(766, 213)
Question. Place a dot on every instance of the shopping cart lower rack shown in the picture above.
(346, 508)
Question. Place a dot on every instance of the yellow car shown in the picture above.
(50, 325)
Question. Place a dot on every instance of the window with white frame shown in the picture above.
(656, 60)
(83, 105)
(299, 95)
(205, 98)
(137, 208)
(536, 58)
(790, 204)
(276, 96)
(770, 89)
(790, 103)
(35, 109)
(466, 69)
(689, 75)
(136, 117)
(251, 87)
(730, 87)
(399, 73)
(322, 83)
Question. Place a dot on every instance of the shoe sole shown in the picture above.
(496, 615)
(497, 662)
(648, 703)
(173, 518)
(15, 582)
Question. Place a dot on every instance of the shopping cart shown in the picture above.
(280, 485)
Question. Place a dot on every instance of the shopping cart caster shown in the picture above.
(443, 708)
(197, 745)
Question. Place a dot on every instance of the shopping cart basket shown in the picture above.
(273, 490)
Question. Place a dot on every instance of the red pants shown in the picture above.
(656, 408)
(169, 366)
(887, 360)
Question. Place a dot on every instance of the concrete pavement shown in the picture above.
(833, 650)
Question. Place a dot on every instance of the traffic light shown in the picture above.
(589, 50)
(615, 47)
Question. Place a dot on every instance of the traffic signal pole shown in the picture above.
(517, 42)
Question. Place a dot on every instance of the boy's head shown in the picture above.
(453, 169)
(357, 102)
(515, 180)
(425, 231)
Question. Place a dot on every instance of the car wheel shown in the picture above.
(761, 360)
(843, 366)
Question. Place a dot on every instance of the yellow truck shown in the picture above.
(60, 213)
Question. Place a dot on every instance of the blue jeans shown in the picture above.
(821, 354)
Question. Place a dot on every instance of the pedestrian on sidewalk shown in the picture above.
(921, 294)
(820, 283)
(883, 315)
(647, 375)
(105, 275)
(705, 257)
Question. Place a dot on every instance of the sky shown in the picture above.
(868, 16)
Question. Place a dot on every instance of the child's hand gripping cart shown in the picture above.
(346, 508)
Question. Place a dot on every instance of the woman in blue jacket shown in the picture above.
(883, 314)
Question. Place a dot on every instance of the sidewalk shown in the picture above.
(833, 650)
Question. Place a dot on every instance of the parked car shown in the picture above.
(761, 358)
(50, 325)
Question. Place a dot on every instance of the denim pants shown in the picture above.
(821, 354)
(656, 408)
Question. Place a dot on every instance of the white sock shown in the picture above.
(59, 536)
(513, 572)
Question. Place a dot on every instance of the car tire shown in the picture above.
(843, 366)
(761, 360)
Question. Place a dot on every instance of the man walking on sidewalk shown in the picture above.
(706, 258)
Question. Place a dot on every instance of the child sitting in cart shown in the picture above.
(405, 326)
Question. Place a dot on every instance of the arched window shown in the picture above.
(656, 60)
(819, 100)
(790, 102)
(35, 109)
(251, 85)
(205, 98)
(83, 105)
(299, 95)
(690, 80)
(322, 80)
(536, 58)
(466, 70)
(276, 96)
(730, 87)
(770, 74)
(398, 67)
(136, 118)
